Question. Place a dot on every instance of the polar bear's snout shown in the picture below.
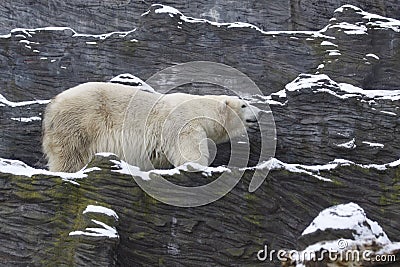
(251, 117)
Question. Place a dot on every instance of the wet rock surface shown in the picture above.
(319, 84)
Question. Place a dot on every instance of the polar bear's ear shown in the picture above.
(228, 102)
(225, 105)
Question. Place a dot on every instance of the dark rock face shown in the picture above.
(94, 16)
(319, 117)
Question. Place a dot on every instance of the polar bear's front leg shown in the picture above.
(192, 147)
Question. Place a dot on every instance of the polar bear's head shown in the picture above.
(236, 109)
(235, 116)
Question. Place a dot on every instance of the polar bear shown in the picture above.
(148, 130)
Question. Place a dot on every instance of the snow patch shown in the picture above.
(323, 83)
(377, 94)
(350, 28)
(307, 81)
(172, 12)
(105, 231)
(373, 144)
(349, 145)
(334, 52)
(368, 236)
(373, 20)
(275, 164)
(129, 79)
(30, 119)
(342, 8)
(4, 101)
(28, 32)
(314, 170)
(348, 216)
(167, 9)
(388, 113)
(17, 167)
(372, 55)
(262, 99)
(101, 209)
(327, 43)
(125, 168)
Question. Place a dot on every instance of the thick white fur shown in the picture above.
(148, 130)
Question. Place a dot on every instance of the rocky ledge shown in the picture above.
(101, 216)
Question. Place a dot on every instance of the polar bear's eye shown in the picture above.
(243, 106)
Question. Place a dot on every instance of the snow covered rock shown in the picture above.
(342, 235)
(129, 79)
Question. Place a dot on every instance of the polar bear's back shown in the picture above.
(110, 95)
(100, 103)
(89, 118)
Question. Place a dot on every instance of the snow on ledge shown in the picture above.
(275, 164)
(313, 170)
(368, 20)
(159, 9)
(327, 43)
(101, 209)
(323, 83)
(372, 55)
(12, 104)
(30, 119)
(29, 32)
(129, 79)
(376, 94)
(373, 20)
(349, 28)
(371, 144)
(125, 168)
(307, 81)
(167, 9)
(17, 167)
(105, 231)
(349, 145)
